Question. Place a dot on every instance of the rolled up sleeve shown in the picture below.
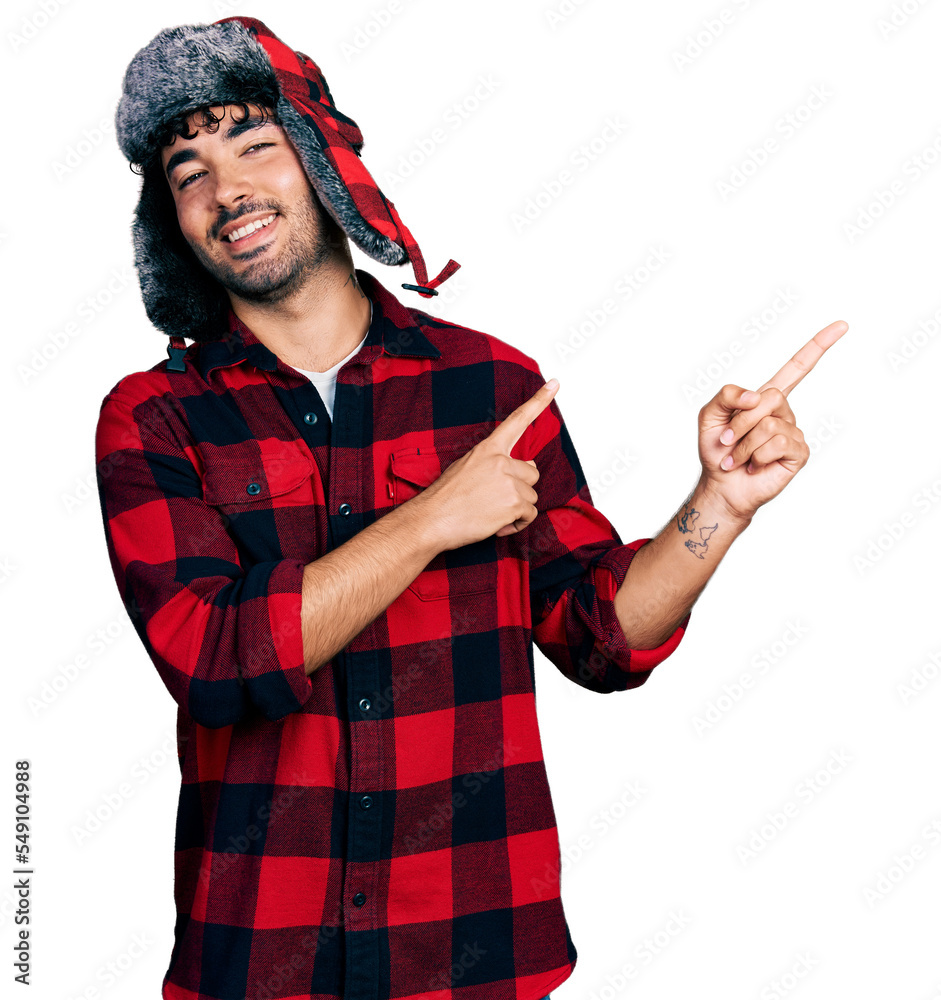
(225, 638)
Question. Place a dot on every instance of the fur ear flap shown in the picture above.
(180, 296)
(332, 192)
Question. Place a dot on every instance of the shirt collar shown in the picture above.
(394, 330)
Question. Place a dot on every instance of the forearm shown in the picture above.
(353, 584)
(667, 575)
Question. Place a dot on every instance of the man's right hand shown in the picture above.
(485, 491)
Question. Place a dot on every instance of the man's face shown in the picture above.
(246, 175)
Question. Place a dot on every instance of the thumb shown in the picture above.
(728, 400)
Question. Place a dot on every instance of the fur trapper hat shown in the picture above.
(238, 60)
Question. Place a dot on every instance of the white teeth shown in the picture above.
(250, 228)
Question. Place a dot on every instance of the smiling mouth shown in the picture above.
(249, 230)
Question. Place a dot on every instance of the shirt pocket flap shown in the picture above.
(421, 468)
(244, 479)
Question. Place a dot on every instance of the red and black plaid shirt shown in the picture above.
(382, 828)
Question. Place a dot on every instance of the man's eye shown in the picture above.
(199, 173)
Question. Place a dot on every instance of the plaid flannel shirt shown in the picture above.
(383, 827)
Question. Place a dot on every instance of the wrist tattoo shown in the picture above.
(686, 525)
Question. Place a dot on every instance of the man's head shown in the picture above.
(233, 65)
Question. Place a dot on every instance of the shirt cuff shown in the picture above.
(614, 645)
(273, 671)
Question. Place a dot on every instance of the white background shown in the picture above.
(832, 578)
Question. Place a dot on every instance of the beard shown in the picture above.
(265, 275)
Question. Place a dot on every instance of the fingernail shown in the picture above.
(553, 383)
(727, 436)
(727, 462)
(750, 397)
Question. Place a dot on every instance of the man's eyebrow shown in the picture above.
(232, 132)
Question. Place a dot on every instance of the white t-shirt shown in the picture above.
(326, 382)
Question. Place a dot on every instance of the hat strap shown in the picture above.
(424, 287)
(175, 351)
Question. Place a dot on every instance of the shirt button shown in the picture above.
(365, 704)
(366, 801)
(253, 488)
(359, 899)
(345, 509)
(310, 418)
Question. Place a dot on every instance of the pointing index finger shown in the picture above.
(510, 430)
(805, 359)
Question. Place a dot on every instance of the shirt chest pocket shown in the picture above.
(239, 480)
(471, 569)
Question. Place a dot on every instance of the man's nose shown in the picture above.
(233, 185)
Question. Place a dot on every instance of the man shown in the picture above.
(338, 525)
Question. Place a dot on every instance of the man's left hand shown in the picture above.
(749, 443)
